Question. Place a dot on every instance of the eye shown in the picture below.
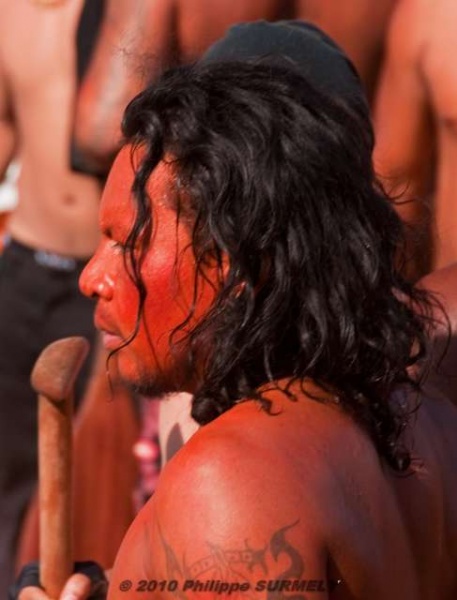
(119, 247)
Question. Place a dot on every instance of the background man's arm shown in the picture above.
(135, 44)
(358, 26)
(403, 118)
(7, 131)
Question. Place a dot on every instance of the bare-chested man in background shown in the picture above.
(416, 120)
(139, 39)
(49, 236)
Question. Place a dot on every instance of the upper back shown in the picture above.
(390, 535)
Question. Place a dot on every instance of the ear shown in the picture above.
(239, 289)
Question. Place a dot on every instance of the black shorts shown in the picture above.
(39, 303)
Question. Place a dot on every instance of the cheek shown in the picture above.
(171, 294)
(127, 299)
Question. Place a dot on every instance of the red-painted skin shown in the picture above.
(169, 282)
(305, 488)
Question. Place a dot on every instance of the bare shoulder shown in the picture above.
(247, 439)
(294, 496)
(239, 503)
(306, 447)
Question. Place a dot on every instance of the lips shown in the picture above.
(110, 339)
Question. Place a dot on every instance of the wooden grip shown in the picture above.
(55, 489)
(53, 378)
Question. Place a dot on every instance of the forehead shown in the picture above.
(117, 206)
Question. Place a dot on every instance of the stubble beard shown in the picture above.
(154, 387)
(159, 384)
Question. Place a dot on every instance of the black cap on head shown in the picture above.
(315, 54)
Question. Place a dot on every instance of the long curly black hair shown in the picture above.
(278, 180)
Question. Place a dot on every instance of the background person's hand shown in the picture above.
(87, 583)
(78, 587)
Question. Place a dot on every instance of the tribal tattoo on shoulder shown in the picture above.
(244, 572)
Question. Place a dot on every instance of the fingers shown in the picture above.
(77, 588)
(32, 593)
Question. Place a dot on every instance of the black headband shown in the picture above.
(317, 57)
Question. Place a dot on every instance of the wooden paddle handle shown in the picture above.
(55, 489)
(53, 378)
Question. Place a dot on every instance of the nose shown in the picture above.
(94, 281)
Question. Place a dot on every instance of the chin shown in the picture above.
(149, 380)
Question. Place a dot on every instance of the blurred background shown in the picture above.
(67, 70)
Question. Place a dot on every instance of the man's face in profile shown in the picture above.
(168, 270)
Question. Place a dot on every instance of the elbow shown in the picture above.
(95, 142)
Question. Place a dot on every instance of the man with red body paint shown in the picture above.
(141, 38)
(222, 209)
